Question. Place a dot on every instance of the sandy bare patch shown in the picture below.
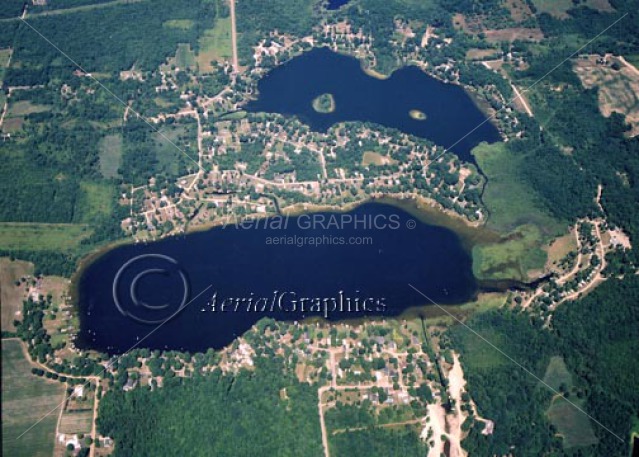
(512, 34)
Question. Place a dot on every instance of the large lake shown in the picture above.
(126, 292)
(452, 118)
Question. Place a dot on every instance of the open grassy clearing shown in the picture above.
(24, 108)
(26, 399)
(513, 207)
(215, 45)
(479, 355)
(12, 125)
(182, 24)
(110, 155)
(5, 54)
(375, 158)
(77, 421)
(557, 373)
(96, 201)
(169, 157)
(11, 295)
(184, 56)
(510, 201)
(572, 425)
(559, 8)
(560, 248)
(29, 236)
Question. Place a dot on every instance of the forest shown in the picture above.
(80, 34)
(244, 414)
(597, 336)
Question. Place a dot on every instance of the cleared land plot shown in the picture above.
(25, 107)
(182, 24)
(184, 58)
(557, 373)
(12, 125)
(76, 422)
(11, 295)
(375, 158)
(559, 8)
(5, 54)
(479, 355)
(514, 33)
(96, 201)
(25, 400)
(618, 89)
(573, 425)
(215, 45)
(110, 155)
(170, 159)
(18, 236)
(560, 248)
(475, 26)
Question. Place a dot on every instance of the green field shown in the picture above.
(557, 373)
(4, 58)
(479, 355)
(29, 236)
(215, 44)
(510, 201)
(25, 107)
(96, 201)
(184, 56)
(514, 208)
(182, 24)
(110, 155)
(169, 157)
(573, 425)
(25, 400)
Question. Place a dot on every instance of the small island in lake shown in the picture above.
(324, 103)
(417, 115)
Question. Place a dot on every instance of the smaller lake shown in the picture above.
(361, 266)
(335, 4)
(451, 116)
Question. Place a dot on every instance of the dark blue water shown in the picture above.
(335, 4)
(453, 120)
(123, 297)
